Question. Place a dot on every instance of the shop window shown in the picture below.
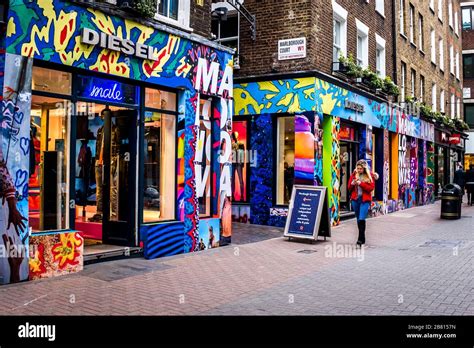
(161, 100)
(240, 161)
(49, 149)
(159, 162)
(203, 158)
(285, 159)
(51, 81)
(159, 156)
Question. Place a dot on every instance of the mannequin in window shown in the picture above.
(238, 150)
(289, 175)
(84, 160)
(99, 170)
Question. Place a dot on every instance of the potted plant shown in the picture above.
(146, 8)
(352, 70)
(371, 79)
(390, 87)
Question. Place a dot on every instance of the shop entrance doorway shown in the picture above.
(106, 175)
(348, 161)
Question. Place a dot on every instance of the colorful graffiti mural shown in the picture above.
(55, 254)
(14, 168)
(261, 177)
(162, 239)
(310, 94)
(332, 165)
(51, 31)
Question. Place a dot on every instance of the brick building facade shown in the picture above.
(468, 76)
(313, 20)
(431, 67)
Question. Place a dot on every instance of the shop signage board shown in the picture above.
(308, 213)
(455, 139)
(292, 48)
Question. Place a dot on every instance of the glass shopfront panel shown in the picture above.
(285, 159)
(49, 169)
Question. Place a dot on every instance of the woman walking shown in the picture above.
(361, 185)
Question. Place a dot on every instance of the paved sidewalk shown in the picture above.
(414, 264)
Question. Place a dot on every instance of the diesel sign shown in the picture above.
(354, 106)
(114, 43)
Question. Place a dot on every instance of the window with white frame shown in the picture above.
(442, 102)
(380, 6)
(432, 6)
(433, 46)
(402, 17)
(412, 82)
(412, 23)
(451, 59)
(441, 54)
(433, 97)
(380, 55)
(456, 23)
(458, 107)
(362, 44)
(404, 78)
(422, 88)
(453, 104)
(440, 9)
(420, 33)
(457, 65)
(175, 12)
(450, 13)
(339, 31)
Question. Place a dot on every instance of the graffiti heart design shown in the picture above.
(19, 117)
(25, 145)
(21, 178)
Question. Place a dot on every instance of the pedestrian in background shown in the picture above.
(460, 178)
(470, 184)
(361, 185)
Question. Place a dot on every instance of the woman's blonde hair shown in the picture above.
(366, 176)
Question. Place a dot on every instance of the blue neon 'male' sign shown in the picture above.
(107, 90)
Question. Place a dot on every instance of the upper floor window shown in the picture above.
(456, 23)
(339, 31)
(440, 9)
(466, 18)
(433, 97)
(380, 55)
(432, 5)
(468, 65)
(226, 33)
(380, 6)
(412, 82)
(453, 105)
(441, 54)
(451, 59)
(174, 12)
(441, 102)
(457, 65)
(422, 88)
(420, 33)
(362, 44)
(412, 24)
(450, 13)
(403, 86)
(402, 17)
(169, 8)
(433, 46)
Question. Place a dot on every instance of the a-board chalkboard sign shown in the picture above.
(308, 213)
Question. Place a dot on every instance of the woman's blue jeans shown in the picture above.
(360, 208)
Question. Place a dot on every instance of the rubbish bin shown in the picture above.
(451, 198)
